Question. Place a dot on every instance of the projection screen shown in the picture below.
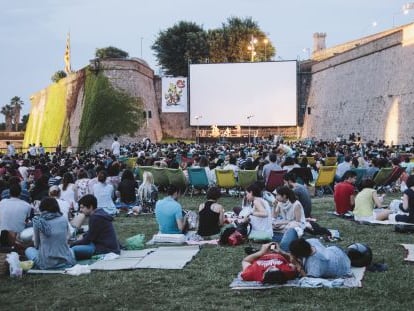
(227, 94)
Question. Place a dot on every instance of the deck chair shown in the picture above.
(395, 175)
(225, 179)
(325, 179)
(275, 180)
(142, 169)
(246, 178)
(303, 175)
(160, 177)
(330, 161)
(382, 176)
(177, 178)
(360, 174)
(130, 163)
(197, 179)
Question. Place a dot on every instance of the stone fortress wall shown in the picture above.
(365, 87)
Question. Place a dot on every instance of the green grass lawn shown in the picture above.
(204, 283)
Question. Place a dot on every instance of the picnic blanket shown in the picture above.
(354, 281)
(409, 256)
(151, 258)
(175, 257)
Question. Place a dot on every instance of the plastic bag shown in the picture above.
(14, 265)
(135, 242)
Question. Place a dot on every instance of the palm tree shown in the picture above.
(16, 103)
(7, 110)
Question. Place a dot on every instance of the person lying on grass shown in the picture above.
(320, 261)
(270, 265)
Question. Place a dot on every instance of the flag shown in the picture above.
(67, 55)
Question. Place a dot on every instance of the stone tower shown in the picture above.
(319, 41)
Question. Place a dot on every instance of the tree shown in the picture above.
(58, 75)
(110, 52)
(25, 119)
(7, 110)
(178, 45)
(16, 105)
(238, 40)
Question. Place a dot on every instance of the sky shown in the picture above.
(33, 33)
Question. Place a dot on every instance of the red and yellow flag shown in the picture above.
(67, 55)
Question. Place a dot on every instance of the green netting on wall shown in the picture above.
(107, 111)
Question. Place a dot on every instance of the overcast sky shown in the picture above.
(33, 33)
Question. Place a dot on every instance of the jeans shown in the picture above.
(31, 253)
(83, 251)
(284, 239)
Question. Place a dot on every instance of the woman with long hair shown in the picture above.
(147, 193)
(67, 191)
(51, 230)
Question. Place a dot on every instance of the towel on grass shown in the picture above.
(354, 281)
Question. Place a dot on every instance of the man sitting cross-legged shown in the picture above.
(101, 237)
(344, 194)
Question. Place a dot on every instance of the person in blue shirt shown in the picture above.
(169, 213)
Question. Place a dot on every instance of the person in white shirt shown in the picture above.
(342, 168)
(116, 147)
(11, 151)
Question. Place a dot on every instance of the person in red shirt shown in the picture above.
(344, 193)
(270, 265)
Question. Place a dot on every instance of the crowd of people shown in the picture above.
(58, 192)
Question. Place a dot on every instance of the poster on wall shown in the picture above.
(174, 94)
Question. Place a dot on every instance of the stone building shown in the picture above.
(364, 86)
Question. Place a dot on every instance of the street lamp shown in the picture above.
(248, 118)
(198, 131)
(252, 48)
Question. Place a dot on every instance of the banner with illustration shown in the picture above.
(174, 94)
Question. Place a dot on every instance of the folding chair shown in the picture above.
(225, 179)
(177, 178)
(303, 175)
(246, 178)
(160, 178)
(197, 179)
(142, 169)
(325, 179)
(130, 163)
(394, 176)
(330, 161)
(382, 176)
(275, 180)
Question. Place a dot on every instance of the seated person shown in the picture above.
(51, 231)
(169, 213)
(13, 215)
(408, 202)
(301, 193)
(101, 237)
(147, 194)
(260, 216)
(344, 193)
(365, 202)
(211, 214)
(320, 261)
(269, 265)
(289, 217)
(126, 191)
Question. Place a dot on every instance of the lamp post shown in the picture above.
(251, 48)
(248, 118)
(198, 131)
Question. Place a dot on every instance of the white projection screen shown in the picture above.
(226, 94)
